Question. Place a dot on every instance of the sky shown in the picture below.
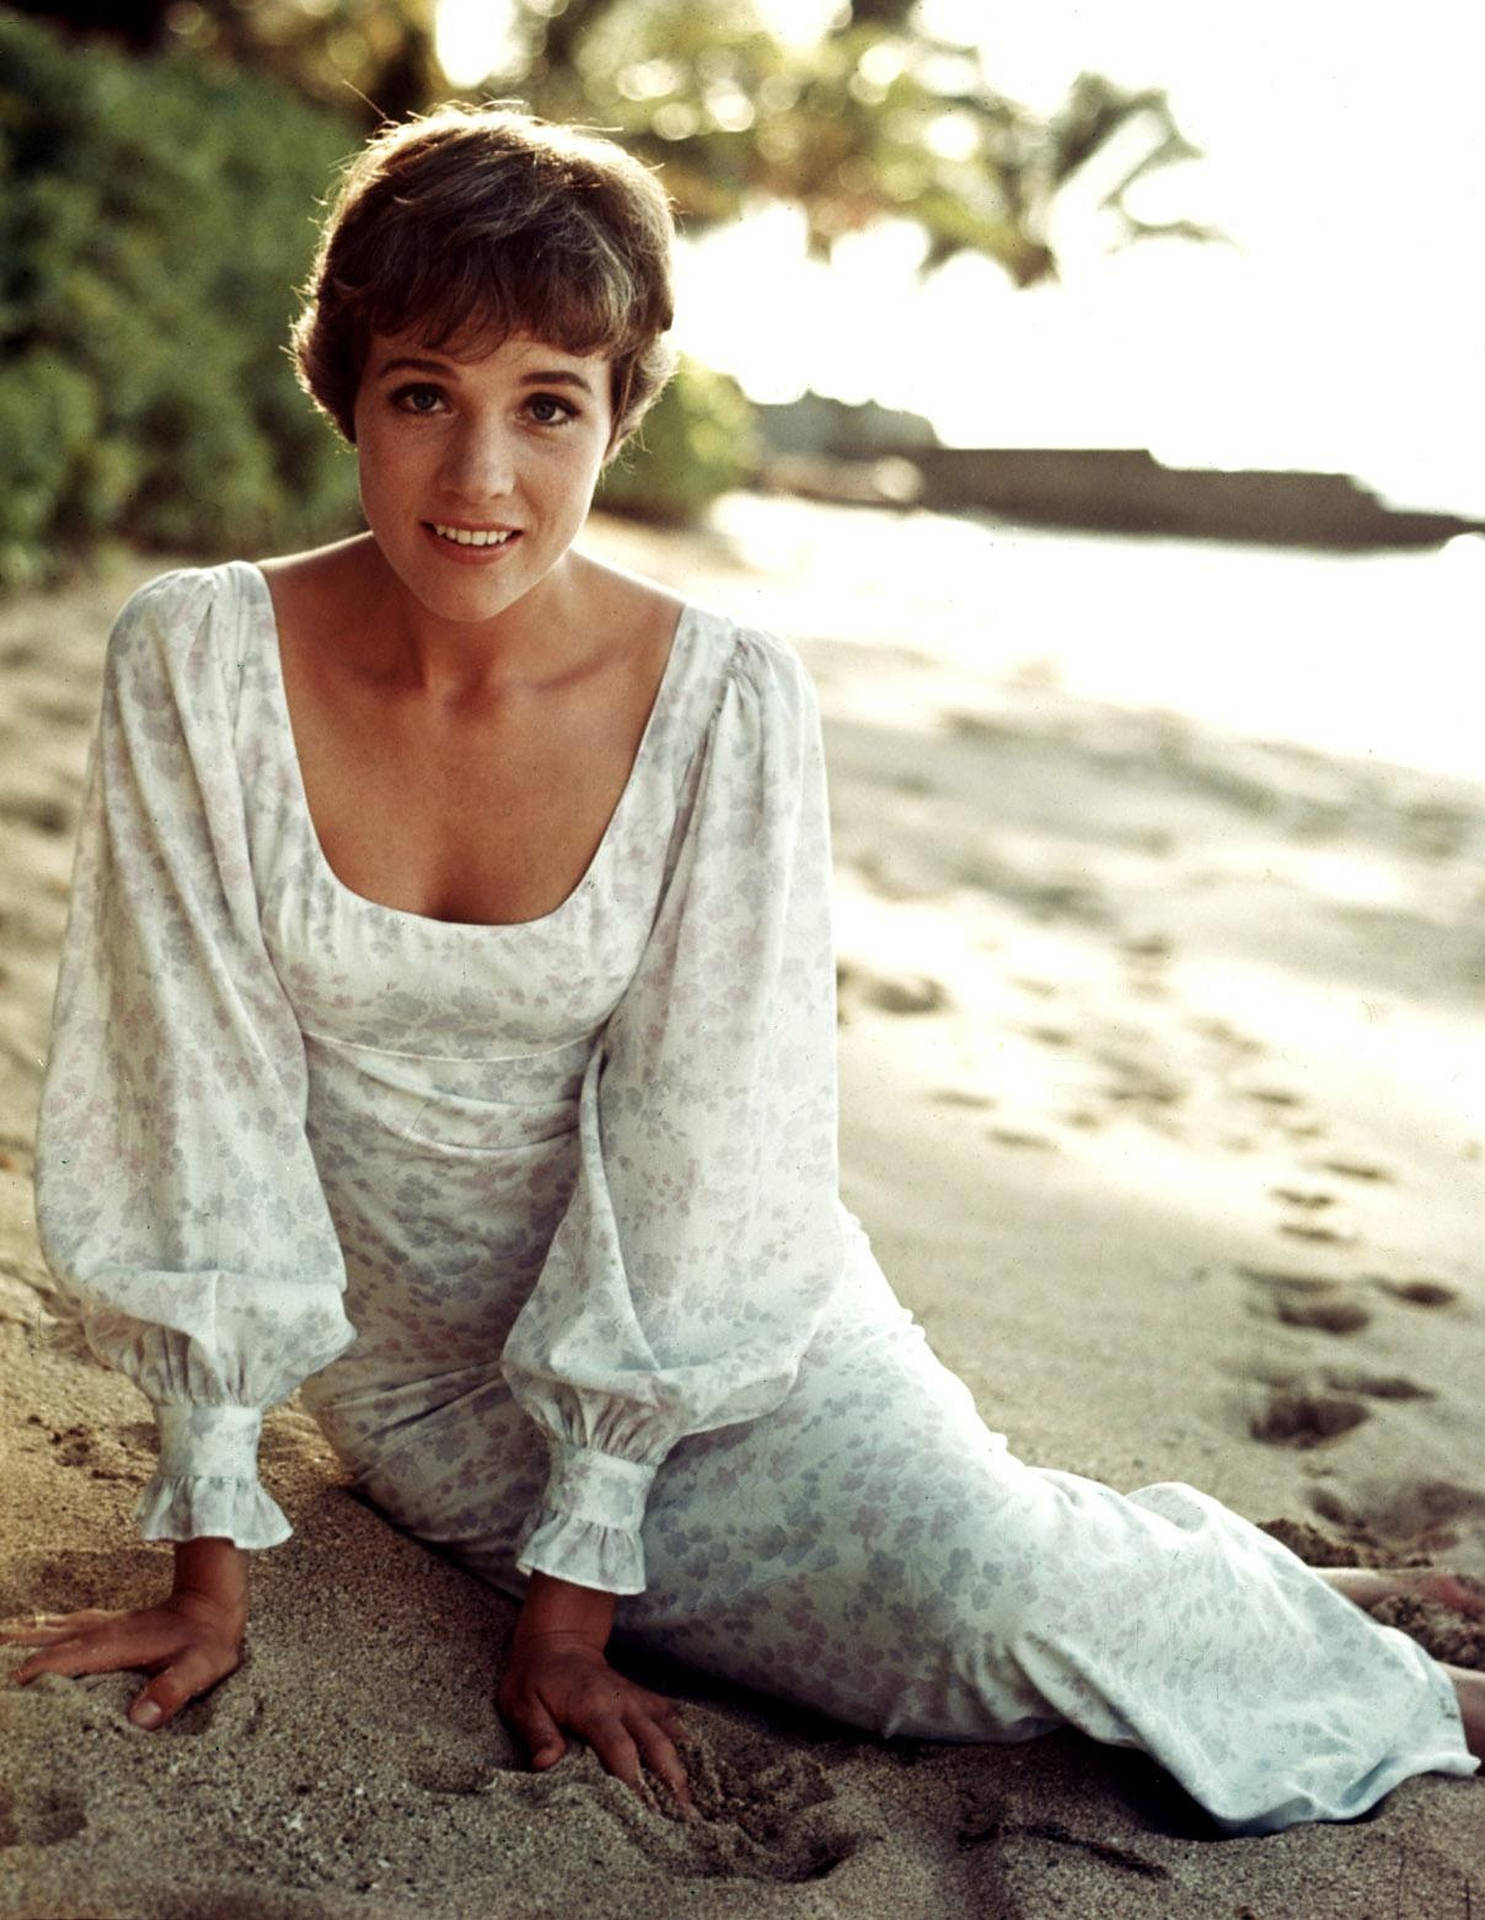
(1341, 328)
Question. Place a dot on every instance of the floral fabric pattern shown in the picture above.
(545, 1217)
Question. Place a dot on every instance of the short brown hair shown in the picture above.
(471, 224)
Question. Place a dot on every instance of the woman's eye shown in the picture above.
(418, 399)
(547, 410)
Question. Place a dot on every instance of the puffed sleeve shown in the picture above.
(179, 1206)
(704, 1237)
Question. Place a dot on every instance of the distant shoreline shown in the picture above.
(825, 449)
(1118, 490)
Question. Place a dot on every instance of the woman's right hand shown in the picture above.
(188, 1642)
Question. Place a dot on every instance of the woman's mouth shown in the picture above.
(471, 536)
(471, 546)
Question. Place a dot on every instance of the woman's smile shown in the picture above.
(474, 536)
(471, 546)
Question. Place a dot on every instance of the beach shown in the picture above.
(1163, 1090)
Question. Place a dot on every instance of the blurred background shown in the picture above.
(1176, 312)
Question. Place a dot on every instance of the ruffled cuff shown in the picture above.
(587, 1528)
(206, 1484)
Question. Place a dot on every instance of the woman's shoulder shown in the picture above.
(755, 670)
(175, 609)
(181, 641)
(170, 597)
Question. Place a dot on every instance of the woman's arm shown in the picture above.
(558, 1677)
(179, 1206)
(189, 1641)
(705, 1237)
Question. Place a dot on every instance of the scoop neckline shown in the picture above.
(364, 902)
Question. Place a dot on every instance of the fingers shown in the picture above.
(43, 1633)
(169, 1691)
(539, 1730)
(629, 1737)
(659, 1709)
(548, 1691)
(109, 1643)
(43, 1628)
(640, 1732)
(660, 1755)
(94, 1650)
(611, 1741)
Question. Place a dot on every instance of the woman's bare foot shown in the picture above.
(1469, 1691)
(1369, 1585)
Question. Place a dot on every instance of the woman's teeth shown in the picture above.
(472, 536)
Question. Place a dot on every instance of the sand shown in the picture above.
(1161, 1058)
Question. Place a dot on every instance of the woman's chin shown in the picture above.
(463, 584)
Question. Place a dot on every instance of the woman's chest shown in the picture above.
(367, 973)
(487, 813)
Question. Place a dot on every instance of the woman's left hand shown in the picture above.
(559, 1683)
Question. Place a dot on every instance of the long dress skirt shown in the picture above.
(872, 1550)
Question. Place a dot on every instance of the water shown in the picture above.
(1375, 655)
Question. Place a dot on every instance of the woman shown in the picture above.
(446, 1022)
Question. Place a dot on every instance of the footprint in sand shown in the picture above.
(1307, 1199)
(1149, 949)
(1308, 1216)
(899, 993)
(36, 811)
(1368, 1171)
(1305, 1410)
(1221, 1033)
(39, 1815)
(1326, 1315)
(1376, 1386)
(1401, 1518)
(1272, 1096)
(1320, 1232)
(1299, 1419)
(1016, 1137)
(1308, 1300)
(1418, 1293)
(1137, 1082)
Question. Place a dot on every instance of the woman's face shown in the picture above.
(476, 473)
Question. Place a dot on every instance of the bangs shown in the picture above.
(487, 291)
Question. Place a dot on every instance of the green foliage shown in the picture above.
(876, 119)
(694, 443)
(155, 217)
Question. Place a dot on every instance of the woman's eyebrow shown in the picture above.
(542, 377)
(405, 362)
(557, 377)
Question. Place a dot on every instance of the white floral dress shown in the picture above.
(545, 1217)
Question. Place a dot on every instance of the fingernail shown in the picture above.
(146, 1713)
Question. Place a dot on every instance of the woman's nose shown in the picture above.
(481, 463)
